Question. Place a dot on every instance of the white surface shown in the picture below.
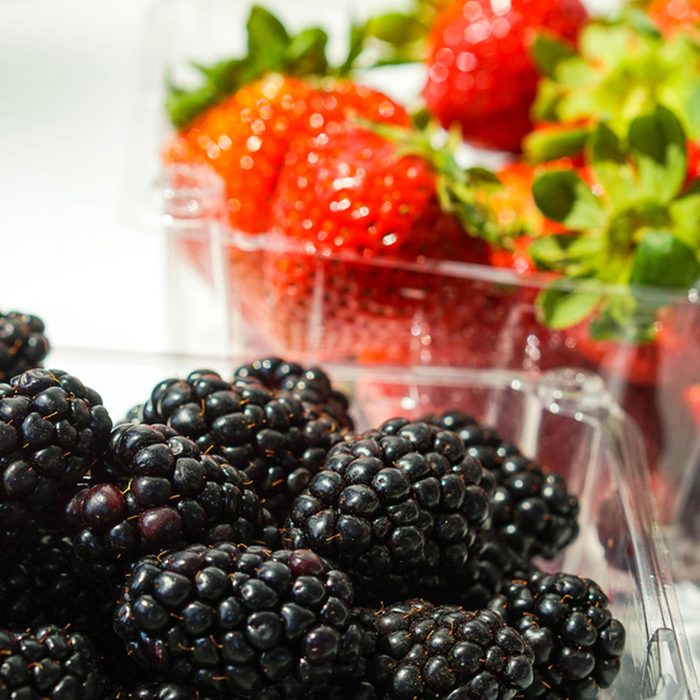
(68, 73)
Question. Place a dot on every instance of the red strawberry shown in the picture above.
(481, 75)
(245, 137)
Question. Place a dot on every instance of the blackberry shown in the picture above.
(160, 493)
(52, 430)
(23, 344)
(49, 663)
(245, 622)
(163, 691)
(533, 512)
(447, 652)
(43, 582)
(311, 386)
(279, 440)
(394, 505)
(576, 640)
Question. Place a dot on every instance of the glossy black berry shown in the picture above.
(245, 622)
(566, 620)
(392, 507)
(533, 512)
(276, 425)
(424, 651)
(162, 493)
(23, 344)
(49, 663)
(53, 429)
(43, 582)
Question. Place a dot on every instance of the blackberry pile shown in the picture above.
(23, 344)
(235, 539)
(277, 425)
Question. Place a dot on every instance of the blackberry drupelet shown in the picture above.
(52, 431)
(49, 663)
(242, 621)
(160, 493)
(533, 512)
(576, 640)
(279, 440)
(23, 344)
(43, 582)
(447, 652)
(311, 386)
(393, 506)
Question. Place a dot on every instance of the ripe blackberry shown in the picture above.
(311, 386)
(49, 663)
(160, 493)
(162, 691)
(447, 652)
(279, 440)
(393, 505)
(576, 640)
(43, 582)
(52, 430)
(23, 344)
(533, 513)
(242, 622)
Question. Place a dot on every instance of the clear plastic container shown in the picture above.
(565, 419)
(276, 298)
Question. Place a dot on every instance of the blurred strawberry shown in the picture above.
(481, 75)
(246, 137)
(247, 111)
(673, 16)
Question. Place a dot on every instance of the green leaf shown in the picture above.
(693, 112)
(560, 308)
(658, 142)
(183, 106)
(685, 215)
(548, 53)
(550, 252)
(662, 260)
(604, 145)
(396, 28)
(561, 195)
(306, 52)
(267, 38)
(622, 320)
(543, 145)
(358, 38)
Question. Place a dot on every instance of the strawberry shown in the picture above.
(245, 137)
(673, 16)
(481, 75)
